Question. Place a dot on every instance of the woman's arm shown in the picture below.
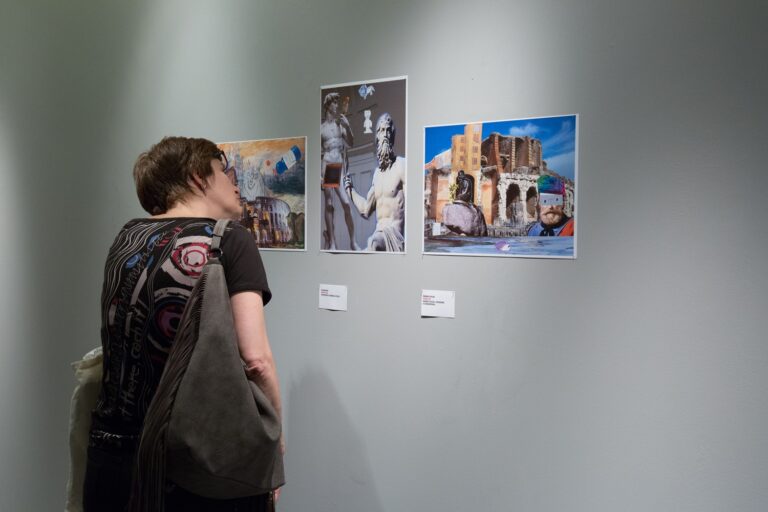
(248, 312)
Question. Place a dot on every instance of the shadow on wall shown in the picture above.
(327, 468)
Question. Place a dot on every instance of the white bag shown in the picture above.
(88, 373)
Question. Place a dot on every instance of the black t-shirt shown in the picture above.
(151, 268)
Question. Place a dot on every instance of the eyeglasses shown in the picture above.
(222, 157)
(230, 172)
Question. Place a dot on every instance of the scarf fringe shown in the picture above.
(148, 493)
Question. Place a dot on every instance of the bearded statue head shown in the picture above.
(385, 141)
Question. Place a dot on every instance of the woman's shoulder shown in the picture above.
(237, 230)
(237, 236)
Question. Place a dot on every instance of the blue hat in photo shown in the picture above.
(551, 191)
(550, 185)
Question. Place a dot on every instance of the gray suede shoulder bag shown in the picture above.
(208, 428)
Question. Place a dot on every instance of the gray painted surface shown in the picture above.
(630, 379)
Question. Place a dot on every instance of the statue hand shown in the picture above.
(347, 183)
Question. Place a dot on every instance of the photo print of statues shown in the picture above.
(501, 188)
(363, 166)
(271, 177)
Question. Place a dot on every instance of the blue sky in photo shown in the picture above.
(557, 136)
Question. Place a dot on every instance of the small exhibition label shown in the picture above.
(333, 297)
(438, 303)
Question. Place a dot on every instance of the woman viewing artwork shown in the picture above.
(150, 270)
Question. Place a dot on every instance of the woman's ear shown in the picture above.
(200, 183)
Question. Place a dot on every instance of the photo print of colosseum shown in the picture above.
(501, 188)
(271, 176)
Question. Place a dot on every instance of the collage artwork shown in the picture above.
(271, 177)
(363, 166)
(501, 188)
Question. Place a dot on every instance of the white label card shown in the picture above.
(333, 297)
(438, 303)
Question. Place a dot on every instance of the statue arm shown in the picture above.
(346, 130)
(364, 205)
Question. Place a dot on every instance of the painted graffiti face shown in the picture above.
(551, 215)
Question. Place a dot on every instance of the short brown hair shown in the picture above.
(163, 174)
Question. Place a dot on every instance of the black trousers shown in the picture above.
(108, 487)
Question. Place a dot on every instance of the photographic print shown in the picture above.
(363, 166)
(501, 188)
(270, 174)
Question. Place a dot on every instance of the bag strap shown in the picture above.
(218, 232)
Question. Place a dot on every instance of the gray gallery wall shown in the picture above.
(630, 379)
